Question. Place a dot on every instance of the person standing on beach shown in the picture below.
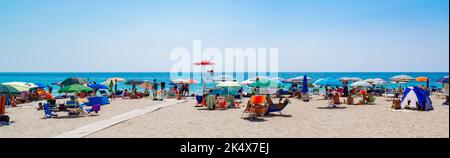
(163, 87)
(50, 89)
(155, 88)
(115, 85)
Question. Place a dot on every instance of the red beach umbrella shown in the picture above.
(204, 63)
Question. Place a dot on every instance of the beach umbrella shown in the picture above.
(296, 79)
(278, 79)
(228, 84)
(7, 90)
(56, 83)
(401, 79)
(328, 82)
(146, 85)
(247, 82)
(443, 80)
(305, 85)
(422, 79)
(223, 78)
(378, 81)
(204, 63)
(38, 85)
(21, 86)
(361, 84)
(350, 79)
(266, 84)
(114, 79)
(184, 81)
(97, 86)
(134, 82)
(75, 88)
(74, 80)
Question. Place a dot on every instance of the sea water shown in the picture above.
(48, 78)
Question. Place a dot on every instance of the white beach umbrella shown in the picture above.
(379, 81)
(223, 78)
(361, 84)
(247, 82)
(401, 79)
(298, 79)
(350, 79)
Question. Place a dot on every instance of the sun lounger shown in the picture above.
(277, 107)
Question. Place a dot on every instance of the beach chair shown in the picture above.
(231, 100)
(222, 103)
(277, 107)
(389, 94)
(211, 102)
(200, 101)
(335, 101)
(72, 104)
(256, 107)
(103, 93)
(48, 111)
(316, 91)
(94, 110)
(371, 99)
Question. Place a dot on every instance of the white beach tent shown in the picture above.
(414, 98)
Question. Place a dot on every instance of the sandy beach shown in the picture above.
(29, 122)
(301, 120)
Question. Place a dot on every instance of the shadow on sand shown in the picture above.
(332, 108)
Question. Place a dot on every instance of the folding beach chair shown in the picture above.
(48, 111)
(95, 109)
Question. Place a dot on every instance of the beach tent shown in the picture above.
(415, 98)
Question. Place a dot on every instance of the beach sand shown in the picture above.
(29, 123)
(302, 120)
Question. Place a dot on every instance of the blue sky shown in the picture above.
(138, 35)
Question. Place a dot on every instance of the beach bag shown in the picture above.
(4, 118)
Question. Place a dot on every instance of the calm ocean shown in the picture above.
(48, 78)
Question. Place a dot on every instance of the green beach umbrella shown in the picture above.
(6, 89)
(75, 88)
(266, 84)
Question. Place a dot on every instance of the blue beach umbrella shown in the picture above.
(39, 85)
(98, 86)
(305, 85)
(443, 80)
(328, 82)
